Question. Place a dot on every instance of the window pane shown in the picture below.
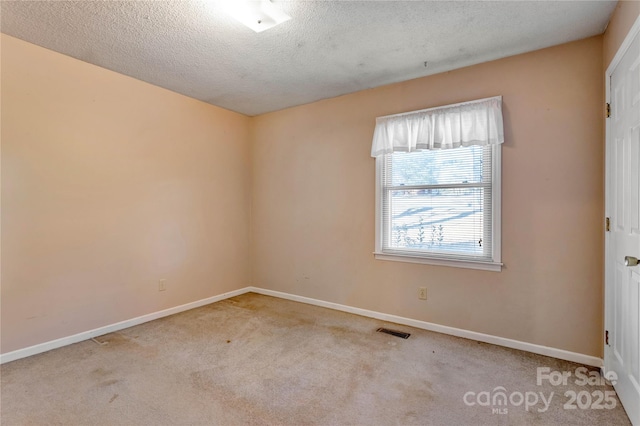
(447, 221)
(438, 167)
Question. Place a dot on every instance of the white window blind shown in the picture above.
(438, 202)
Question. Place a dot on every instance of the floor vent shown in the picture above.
(394, 333)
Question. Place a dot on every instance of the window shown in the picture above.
(439, 206)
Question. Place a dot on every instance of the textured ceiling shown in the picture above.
(328, 48)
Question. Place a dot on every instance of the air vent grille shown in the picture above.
(396, 333)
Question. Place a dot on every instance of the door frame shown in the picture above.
(622, 50)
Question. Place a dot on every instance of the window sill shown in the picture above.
(455, 263)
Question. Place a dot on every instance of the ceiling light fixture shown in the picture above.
(259, 15)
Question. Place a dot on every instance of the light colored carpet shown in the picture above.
(260, 360)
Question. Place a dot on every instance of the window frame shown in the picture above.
(443, 260)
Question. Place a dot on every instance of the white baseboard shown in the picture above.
(85, 335)
(487, 338)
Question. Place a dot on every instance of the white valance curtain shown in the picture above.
(465, 124)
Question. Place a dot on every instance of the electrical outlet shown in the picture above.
(162, 285)
(422, 293)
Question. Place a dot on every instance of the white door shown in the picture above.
(622, 275)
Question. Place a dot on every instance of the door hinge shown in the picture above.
(606, 337)
(607, 224)
(608, 110)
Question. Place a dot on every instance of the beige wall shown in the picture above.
(108, 185)
(623, 17)
(313, 202)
